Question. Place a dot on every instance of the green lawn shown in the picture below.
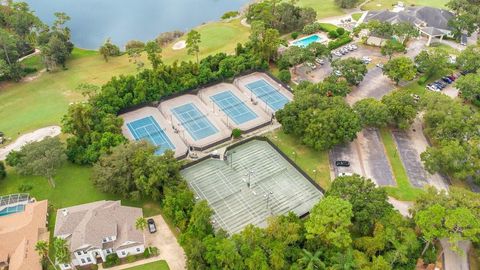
(158, 265)
(356, 16)
(329, 27)
(324, 8)
(73, 187)
(33, 62)
(404, 191)
(27, 106)
(305, 157)
(388, 4)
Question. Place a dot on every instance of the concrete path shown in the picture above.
(401, 206)
(453, 260)
(34, 136)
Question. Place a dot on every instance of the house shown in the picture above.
(23, 222)
(431, 22)
(95, 230)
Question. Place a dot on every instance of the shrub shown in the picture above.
(285, 76)
(130, 259)
(3, 171)
(167, 37)
(236, 133)
(339, 42)
(332, 34)
(422, 80)
(295, 35)
(340, 31)
(94, 267)
(111, 260)
(230, 14)
(134, 44)
(282, 63)
(25, 188)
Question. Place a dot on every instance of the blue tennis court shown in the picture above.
(233, 107)
(268, 94)
(195, 122)
(148, 129)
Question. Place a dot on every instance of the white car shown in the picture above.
(344, 174)
(337, 72)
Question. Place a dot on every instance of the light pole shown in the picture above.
(294, 156)
(231, 158)
(250, 173)
(315, 174)
(268, 200)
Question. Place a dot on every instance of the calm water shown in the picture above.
(92, 21)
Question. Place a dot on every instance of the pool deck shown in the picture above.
(212, 107)
(323, 39)
(243, 81)
(180, 146)
(223, 133)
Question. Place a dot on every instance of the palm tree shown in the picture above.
(141, 224)
(62, 253)
(311, 261)
(42, 249)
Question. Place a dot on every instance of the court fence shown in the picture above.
(195, 90)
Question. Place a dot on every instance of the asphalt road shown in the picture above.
(410, 159)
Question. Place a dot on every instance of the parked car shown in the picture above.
(354, 47)
(342, 163)
(432, 87)
(320, 61)
(380, 65)
(152, 228)
(337, 72)
(345, 174)
(447, 80)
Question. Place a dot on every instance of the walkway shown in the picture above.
(34, 136)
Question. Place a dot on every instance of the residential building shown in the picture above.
(95, 230)
(23, 222)
(431, 22)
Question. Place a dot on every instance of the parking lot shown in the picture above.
(366, 156)
(410, 144)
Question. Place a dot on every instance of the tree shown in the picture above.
(9, 54)
(265, 41)
(400, 68)
(369, 203)
(311, 261)
(402, 108)
(346, 3)
(405, 31)
(108, 49)
(319, 121)
(193, 43)
(41, 247)
(469, 87)
(391, 47)
(62, 253)
(55, 42)
(352, 69)
(295, 55)
(433, 62)
(132, 170)
(469, 59)
(41, 158)
(372, 112)
(3, 171)
(154, 54)
(141, 224)
(329, 222)
(467, 16)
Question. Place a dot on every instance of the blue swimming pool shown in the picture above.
(12, 209)
(268, 94)
(236, 109)
(304, 42)
(148, 129)
(194, 121)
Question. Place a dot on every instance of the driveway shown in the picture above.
(167, 245)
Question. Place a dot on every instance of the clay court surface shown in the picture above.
(252, 183)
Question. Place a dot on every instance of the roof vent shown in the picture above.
(64, 212)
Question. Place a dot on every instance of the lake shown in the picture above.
(93, 21)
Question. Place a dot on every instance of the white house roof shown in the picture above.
(88, 224)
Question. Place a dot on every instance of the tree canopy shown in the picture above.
(400, 68)
(352, 69)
